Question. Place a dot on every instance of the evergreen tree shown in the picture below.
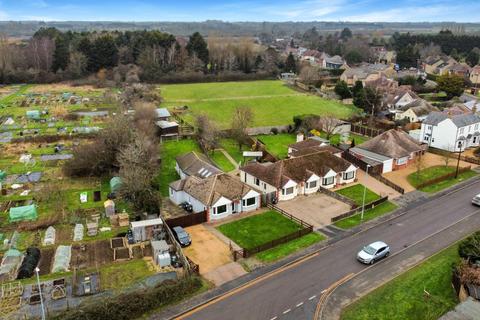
(104, 53)
(407, 57)
(61, 55)
(291, 64)
(453, 85)
(198, 46)
(345, 34)
(341, 88)
(472, 58)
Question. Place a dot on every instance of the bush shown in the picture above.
(274, 131)
(470, 247)
(133, 304)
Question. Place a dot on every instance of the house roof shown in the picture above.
(208, 191)
(420, 107)
(297, 169)
(393, 144)
(162, 112)
(401, 93)
(195, 164)
(312, 53)
(334, 60)
(315, 149)
(460, 120)
(309, 143)
(166, 124)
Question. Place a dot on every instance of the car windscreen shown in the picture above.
(369, 250)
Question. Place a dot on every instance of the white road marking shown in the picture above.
(312, 297)
(274, 318)
(323, 291)
(299, 304)
(287, 311)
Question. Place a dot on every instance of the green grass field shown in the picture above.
(258, 229)
(231, 147)
(285, 249)
(404, 297)
(277, 144)
(415, 179)
(355, 193)
(355, 220)
(169, 150)
(273, 103)
(221, 161)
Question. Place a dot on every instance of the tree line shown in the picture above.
(51, 55)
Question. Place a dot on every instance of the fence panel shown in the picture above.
(187, 220)
(442, 178)
(388, 183)
(359, 209)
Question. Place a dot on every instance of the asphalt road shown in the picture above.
(289, 291)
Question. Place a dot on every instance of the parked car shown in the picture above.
(186, 206)
(373, 252)
(182, 236)
(476, 200)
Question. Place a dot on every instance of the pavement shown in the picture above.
(317, 209)
(290, 289)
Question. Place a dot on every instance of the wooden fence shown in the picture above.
(442, 178)
(359, 209)
(187, 220)
(339, 197)
(306, 229)
(389, 183)
(365, 131)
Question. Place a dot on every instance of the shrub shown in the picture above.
(274, 131)
(132, 305)
(470, 247)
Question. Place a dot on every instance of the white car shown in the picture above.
(373, 252)
(476, 200)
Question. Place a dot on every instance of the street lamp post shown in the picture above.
(458, 159)
(40, 292)
(364, 194)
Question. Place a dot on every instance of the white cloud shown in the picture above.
(418, 14)
(304, 10)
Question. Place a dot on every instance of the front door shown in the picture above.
(234, 208)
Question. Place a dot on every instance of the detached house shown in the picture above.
(415, 111)
(312, 145)
(451, 132)
(286, 179)
(395, 149)
(221, 195)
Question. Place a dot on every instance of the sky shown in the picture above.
(242, 10)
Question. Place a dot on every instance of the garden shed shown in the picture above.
(23, 213)
(115, 184)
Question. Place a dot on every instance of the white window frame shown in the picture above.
(325, 181)
(285, 191)
(312, 184)
(403, 161)
(347, 174)
(245, 202)
(217, 211)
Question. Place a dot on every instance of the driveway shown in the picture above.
(399, 177)
(316, 209)
(375, 185)
(212, 255)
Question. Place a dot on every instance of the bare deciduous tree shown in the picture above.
(241, 120)
(208, 132)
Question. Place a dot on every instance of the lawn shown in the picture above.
(415, 179)
(123, 274)
(288, 248)
(277, 144)
(273, 103)
(404, 297)
(221, 161)
(358, 138)
(231, 146)
(353, 221)
(355, 193)
(169, 150)
(256, 230)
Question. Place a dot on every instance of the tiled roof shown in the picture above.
(297, 169)
(460, 120)
(393, 144)
(194, 164)
(208, 191)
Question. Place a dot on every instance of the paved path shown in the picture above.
(278, 293)
(229, 157)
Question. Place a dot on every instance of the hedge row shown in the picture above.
(132, 305)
